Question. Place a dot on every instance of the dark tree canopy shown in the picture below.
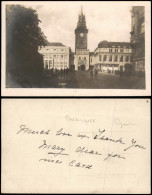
(23, 36)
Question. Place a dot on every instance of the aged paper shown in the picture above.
(76, 146)
(103, 86)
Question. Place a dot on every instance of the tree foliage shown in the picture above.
(23, 36)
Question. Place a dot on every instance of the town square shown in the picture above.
(33, 61)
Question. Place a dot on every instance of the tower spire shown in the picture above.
(81, 10)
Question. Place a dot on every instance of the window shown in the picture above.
(121, 50)
(110, 58)
(116, 58)
(100, 57)
(116, 50)
(79, 58)
(54, 56)
(121, 58)
(105, 58)
(91, 59)
(46, 66)
(110, 50)
(84, 58)
(127, 58)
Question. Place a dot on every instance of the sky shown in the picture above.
(109, 21)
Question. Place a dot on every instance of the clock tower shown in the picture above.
(81, 32)
(81, 52)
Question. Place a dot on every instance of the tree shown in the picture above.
(23, 36)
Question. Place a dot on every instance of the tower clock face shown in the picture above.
(81, 34)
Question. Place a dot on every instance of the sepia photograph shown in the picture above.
(76, 45)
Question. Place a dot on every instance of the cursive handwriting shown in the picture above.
(114, 155)
(54, 151)
(79, 164)
(83, 136)
(84, 150)
(60, 132)
(133, 144)
(52, 147)
(26, 130)
(51, 160)
(104, 138)
(117, 121)
(76, 119)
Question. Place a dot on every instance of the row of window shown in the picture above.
(51, 62)
(122, 58)
(55, 56)
(53, 50)
(116, 50)
(82, 58)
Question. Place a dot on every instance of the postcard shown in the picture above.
(81, 48)
(76, 146)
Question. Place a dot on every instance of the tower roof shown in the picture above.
(81, 10)
(81, 19)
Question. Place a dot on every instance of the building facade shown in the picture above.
(111, 56)
(55, 55)
(107, 57)
(81, 57)
(137, 38)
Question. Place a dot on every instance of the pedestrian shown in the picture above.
(121, 73)
(51, 71)
(96, 74)
(64, 74)
(91, 74)
(61, 73)
(67, 73)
